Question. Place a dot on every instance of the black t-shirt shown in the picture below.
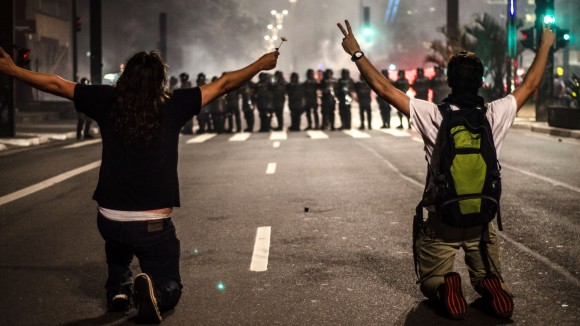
(133, 177)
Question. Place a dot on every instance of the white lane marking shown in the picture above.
(567, 275)
(355, 133)
(242, 136)
(417, 139)
(200, 138)
(261, 249)
(83, 143)
(316, 134)
(271, 169)
(554, 266)
(276, 144)
(541, 177)
(395, 132)
(47, 183)
(278, 135)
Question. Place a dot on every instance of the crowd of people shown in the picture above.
(318, 98)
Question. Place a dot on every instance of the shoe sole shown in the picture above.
(501, 301)
(120, 302)
(147, 309)
(453, 297)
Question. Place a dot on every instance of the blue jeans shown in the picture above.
(156, 246)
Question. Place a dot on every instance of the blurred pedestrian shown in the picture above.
(138, 187)
(344, 92)
(311, 88)
(173, 83)
(436, 243)
(83, 121)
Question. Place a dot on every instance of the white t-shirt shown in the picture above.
(426, 119)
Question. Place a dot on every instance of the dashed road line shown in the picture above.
(278, 135)
(242, 136)
(355, 133)
(83, 143)
(276, 144)
(396, 132)
(200, 139)
(261, 249)
(47, 183)
(316, 134)
(271, 169)
(541, 177)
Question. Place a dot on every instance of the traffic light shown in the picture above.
(562, 38)
(23, 59)
(529, 41)
(78, 24)
(367, 30)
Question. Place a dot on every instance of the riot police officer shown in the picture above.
(402, 84)
(248, 104)
(328, 86)
(233, 111)
(310, 88)
(217, 109)
(439, 86)
(279, 98)
(264, 101)
(344, 90)
(185, 83)
(295, 101)
(363, 93)
(384, 106)
(203, 119)
(421, 85)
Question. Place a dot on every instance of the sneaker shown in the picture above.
(501, 301)
(452, 296)
(145, 301)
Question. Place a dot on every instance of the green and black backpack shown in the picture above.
(463, 179)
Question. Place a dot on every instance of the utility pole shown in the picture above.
(7, 83)
(545, 91)
(453, 22)
(96, 43)
(75, 26)
(511, 44)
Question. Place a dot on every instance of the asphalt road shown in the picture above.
(347, 261)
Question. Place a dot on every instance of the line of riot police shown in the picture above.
(268, 96)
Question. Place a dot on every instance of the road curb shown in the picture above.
(542, 127)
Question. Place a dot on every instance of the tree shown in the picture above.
(488, 39)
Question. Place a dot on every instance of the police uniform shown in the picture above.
(344, 89)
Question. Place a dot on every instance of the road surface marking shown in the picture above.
(316, 134)
(417, 139)
(543, 178)
(200, 138)
(83, 143)
(47, 183)
(276, 144)
(242, 136)
(261, 249)
(395, 132)
(278, 135)
(554, 266)
(355, 133)
(271, 169)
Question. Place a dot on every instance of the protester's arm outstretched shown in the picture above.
(536, 71)
(235, 79)
(376, 80)
(45, 82)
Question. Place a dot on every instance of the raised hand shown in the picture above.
(548, 37)
(349, 42)
(6, 63)
(269, 60)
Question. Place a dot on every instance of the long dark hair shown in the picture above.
(139, 95)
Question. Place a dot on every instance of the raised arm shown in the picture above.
(45, 82)
(536, 71)
(235, 79)
(376, 80)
